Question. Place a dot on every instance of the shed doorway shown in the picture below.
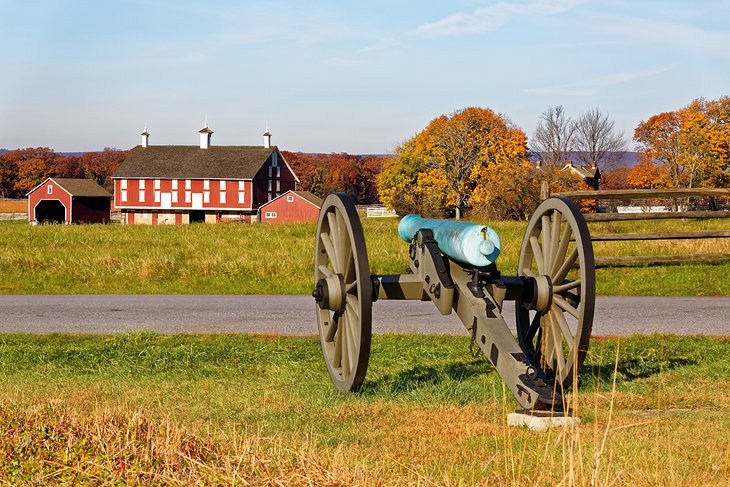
(197, 216)
(50, 211)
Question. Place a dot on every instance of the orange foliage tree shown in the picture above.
(693, 143)
(444, 164)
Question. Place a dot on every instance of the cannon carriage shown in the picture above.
(453, 264)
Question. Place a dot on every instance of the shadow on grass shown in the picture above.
(629, 370)
(421, 376)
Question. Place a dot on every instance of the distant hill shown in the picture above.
(3, 151)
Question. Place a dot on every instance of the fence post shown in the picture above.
(544, 190)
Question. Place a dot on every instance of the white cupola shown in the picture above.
(145, 137)
(267, 138)
(205, 134)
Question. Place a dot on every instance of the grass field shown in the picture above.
(219, 409)
(276, 259)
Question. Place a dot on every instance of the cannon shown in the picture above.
(453, 264)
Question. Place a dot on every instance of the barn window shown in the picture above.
(174, 196)
(278, 185)
(290, 199)
(141, 184)
(269, 185)
(223, 197)
(174, 184)
(157, 196)
(241, 198)
(270, 214)
(206, 184)
(241, 185)
(157, 184)
(50, 189)
(187, 184)
(124, 184)
(206, 197)
(187, 196)
(223, 185)
(274, 161)
(141, 196)
(278, 172)
(124, 195)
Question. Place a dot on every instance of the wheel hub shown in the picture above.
(543, 294)
(329, 293)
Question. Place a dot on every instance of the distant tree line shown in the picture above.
(323, 174)
(23, 169)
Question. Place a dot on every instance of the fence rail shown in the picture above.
(641, 194)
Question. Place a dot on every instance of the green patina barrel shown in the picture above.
(464, 242)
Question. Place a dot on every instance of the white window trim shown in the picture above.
(241, 197)
(223, 197)
(50, 189)
(157, 196)
(124, 195)
(222, 185)
(270, 214)
(187, 184)
(206, 183)
(242, 185)
(174, 197)
(206, 196)
(290, 199)
(157, 184)
(174, 184)
(123, 184)
(141, 184)
(141, 196)
(187, 196)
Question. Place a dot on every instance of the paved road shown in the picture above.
(294, 315)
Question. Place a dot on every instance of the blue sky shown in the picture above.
(335, 76)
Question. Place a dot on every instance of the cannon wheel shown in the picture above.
(555, 328)
(343, 292)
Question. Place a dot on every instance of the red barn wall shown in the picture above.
(197, 186)
(41, 193)
(299, 210)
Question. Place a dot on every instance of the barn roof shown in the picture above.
(192, 162)
(315, 200)
(79, 187)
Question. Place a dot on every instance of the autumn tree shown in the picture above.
(100, 166)
(596, 140)
(442, 164)
(692, 143)
(554, 136)
(322, 174)
(20, 168)
(648, 175)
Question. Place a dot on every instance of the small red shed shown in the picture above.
(292, 206)
(66, 200)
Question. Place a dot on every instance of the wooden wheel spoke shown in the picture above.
(342, 244)
(562, 303)
(565, 268)
(325, 270)
(546, 245)
(351, 288)
(337, 359)
(562, 248)
(548, 342)
(335, 234)
(332, 328)
(537, 251)
(329, 250)
(528, 272)
(557, 220)
(563, 325)
(566, 287)
(344, 355)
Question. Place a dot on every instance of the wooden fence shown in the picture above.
(679, 198)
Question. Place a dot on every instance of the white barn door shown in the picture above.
(197, 201)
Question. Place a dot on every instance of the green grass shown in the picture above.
(147, 408)
(276, 259)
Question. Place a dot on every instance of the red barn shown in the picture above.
(292, 206)
(64, 200)
(184, 184)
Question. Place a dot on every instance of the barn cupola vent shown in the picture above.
(205, 134)
(267, 138)
(145, 137)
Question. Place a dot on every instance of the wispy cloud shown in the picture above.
(674, 34)
(492, 17)
(592, 87)
(380, 45)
